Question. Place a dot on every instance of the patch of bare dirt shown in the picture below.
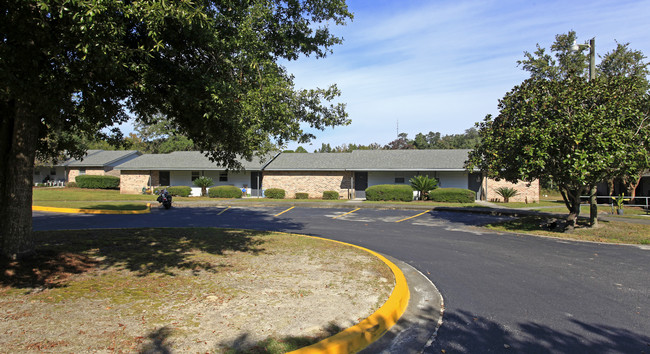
(291, 287)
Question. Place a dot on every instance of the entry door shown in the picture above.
(475, 183)
(360, 184)
(256, 177)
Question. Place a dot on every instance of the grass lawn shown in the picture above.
(286, 200)
(105, 205)
(81, 194)
(602, 209)
(426, 203)
(65, 196)
(608, 231)
(184, 290)
(41, 195)
(542, 203)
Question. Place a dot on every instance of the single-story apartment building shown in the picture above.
(347, 173)
(95, 162)
(181, 168)
(351, 173)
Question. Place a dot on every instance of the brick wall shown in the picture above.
(74, 172)
(132, 182)
(155, 178)
(313, 183)
(526, 192)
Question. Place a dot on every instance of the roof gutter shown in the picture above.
(406, 169)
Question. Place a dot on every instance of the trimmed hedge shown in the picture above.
(274, 193)
(176, 191)
(302, 195)
(398, 192)
(452, 195)
(224, 192)
(331, 195)
(97, 182)
(71, 185)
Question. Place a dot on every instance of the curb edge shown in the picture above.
(361, 335)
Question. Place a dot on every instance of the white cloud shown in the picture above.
(443, 65)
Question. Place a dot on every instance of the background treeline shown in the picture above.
(430, 140)
(161, 137)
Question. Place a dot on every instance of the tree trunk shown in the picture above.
(572, 202)
(632, 186)
(18, 140)
(593, 207)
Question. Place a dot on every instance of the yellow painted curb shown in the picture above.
(372, 328)
(90, 211)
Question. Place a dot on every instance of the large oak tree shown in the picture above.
(559, 126)
(70, 68)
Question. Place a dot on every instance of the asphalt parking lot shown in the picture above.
(261, 217)
(502, 292)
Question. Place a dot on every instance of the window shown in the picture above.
(82, 171)
(223, 177)
(399, 178)
(53, 172)
(195, 175)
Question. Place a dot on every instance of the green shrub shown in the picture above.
(71, 184)
(302, 195)
(176, 191)
(98, 182)
(331, 195)
(274, 193)
(225, 192)
(452, 195)
(398, 192)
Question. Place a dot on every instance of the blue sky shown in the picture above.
(443, 65)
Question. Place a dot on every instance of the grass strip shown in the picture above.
(608, 231)
(105, 205)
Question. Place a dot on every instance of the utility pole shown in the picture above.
(593, 200)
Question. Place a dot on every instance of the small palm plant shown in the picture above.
(506, 193)
(619, 202)
(423, 184)
(204, 183)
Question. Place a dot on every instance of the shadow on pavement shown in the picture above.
(465, 333)
(249, 218)
(463, 218)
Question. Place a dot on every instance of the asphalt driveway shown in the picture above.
(503, 292)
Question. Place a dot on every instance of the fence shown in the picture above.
(638, 201)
